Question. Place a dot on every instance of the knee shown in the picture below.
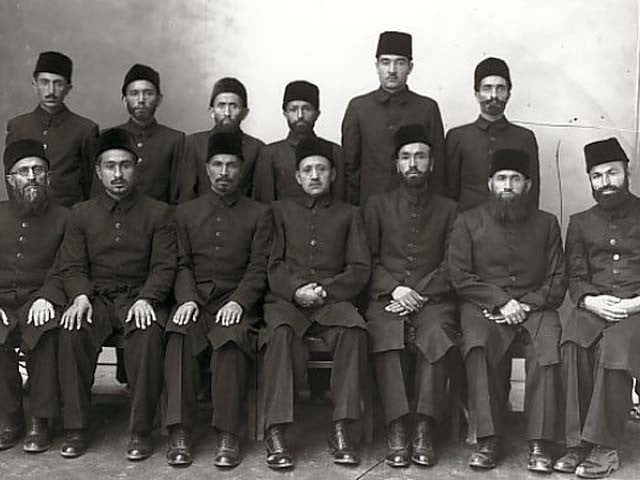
(282, 334)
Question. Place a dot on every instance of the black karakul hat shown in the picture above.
(394, 43)
(301, 90)
(229, 85)
(604, 151)
(114, 139)
(225, 143)
(141, 72)
(510, 159)
(413, 133)
(54, 62)
(313, 147)
(491, 66)
(25, 148)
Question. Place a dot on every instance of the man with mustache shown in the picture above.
(319, 263)
(275, 170)
(372, 119)
(31, 296)
(507, 266)
(469, 147)
(228, 108)
(600, 339)
(67, 138)
(119, 262)
(411, 309)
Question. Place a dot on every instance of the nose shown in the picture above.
(299, 114)
(412, 162)
(117, 172)
(392, 67)
(224, 170)
(49, 88)
(227, 110)
(32, 174)
(606, 180)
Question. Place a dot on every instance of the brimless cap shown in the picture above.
(509, 159)
(54, 62)
(604, 151)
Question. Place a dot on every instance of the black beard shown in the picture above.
(415, 182)
(612, 200)
(511, 210)
(25, 207)
(494, 107)
(229, 127)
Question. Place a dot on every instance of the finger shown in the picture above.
(176, 318)
(129, 315)
(153, 314)
(146, 317)
(37, 318)
(5, 319)
(194, 316)
(218, 316)
(90, 314)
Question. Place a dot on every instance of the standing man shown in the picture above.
(371, 121)
(469, 148)
(275, 172)
(119, 261)
(31, 296)
(600, 340)
(228, 107)
(223, 248)
(507, 266)
(67, 138)
(410, 307)
(319, 263)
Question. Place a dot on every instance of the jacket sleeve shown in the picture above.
(74, 259)
(437, 182)
(177, 156)
(578, 263)
(53, 286)
(338, 186)
(452, 166)
(185, 286)
(188, 172)
(534, 167)
(264, 189)
(87, 152)
(352, 150)
(382, 281)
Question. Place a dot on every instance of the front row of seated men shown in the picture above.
(498, 268)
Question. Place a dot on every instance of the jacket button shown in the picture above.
(312, 271)
(25, 224)
(313, 242)
(19, 255)
(512, 278)
(118, 225)
(117, 239)
(218, 234)
(616, 257)
(612, 241)
(616, 271)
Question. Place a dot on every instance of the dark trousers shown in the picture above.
(143, 358)
(229, 372)
(285, 361)
(598, 399)
(43, 378)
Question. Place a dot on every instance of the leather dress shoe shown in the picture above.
(74, 443)
(539, 457)
(278, 456)
(10, 434)
(570, 460)
(38, 436)
(340, 445)
(486, 454)
(397, 448)
(179, 449)
(139, 447)
(600, 463)
(228, 454)
(423, 451)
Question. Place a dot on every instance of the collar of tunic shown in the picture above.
(620, 211)
(224, 200)
(48, 119)
(124, 204)
(309, 202)
(415, 196)
(139, 130)
(293, 139)
(485, 124)
(382, 96)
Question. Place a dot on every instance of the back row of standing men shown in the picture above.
(504, 259)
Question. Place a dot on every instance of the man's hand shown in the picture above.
(142, 313)
(229, 314)
(187, 312)
(514, 312)
(4, 318)
(41, 312)
(630, 305)
(408, 298)
(397, 308)
(309, 295)
(79, 310)
(606, 306)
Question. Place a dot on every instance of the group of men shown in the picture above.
(448, 256)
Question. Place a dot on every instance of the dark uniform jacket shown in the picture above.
(274, 176)
(69, 141)
(194, 180)
(368, 127)
(603, 257)
(468, 157)
(28, 248)
(492, 262)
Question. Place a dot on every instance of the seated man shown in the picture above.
(119, 261)
(319, 262)
(410, 298)
(507, 266)
(600, 340)
(30, 297)
(223, 247)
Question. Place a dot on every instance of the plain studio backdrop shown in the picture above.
(574, 64)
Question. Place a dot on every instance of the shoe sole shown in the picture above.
(137, 458)
(541, 470)
(71, 455)
(604, 475)
(346, 462)
(564, 470)
(40, 449)
(397, 464)
(424, 464)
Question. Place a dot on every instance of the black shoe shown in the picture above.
(10, 434)
(539, 457)
(600, 463)
(570, 460)
(397, 448)
(340, 445)
(423, 451)
(486, 454)
(74, 443)
(38, 437)
(228, 450)
(277, 454)
(179, 451)
(140, 447)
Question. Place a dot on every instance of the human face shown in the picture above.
(609, 183)
(116, 170)
(414, 163)
(393, 71)
(315, 175)
(224, 173)
(492, 95)
(508, 184)
(51, 90)
(29, 179)
(142, 99)
(301, 116)
(228, 111)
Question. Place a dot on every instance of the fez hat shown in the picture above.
(225, 142)
(413, 133)
(491, 66)
(54, 62)
(141, 72)
(604, 151)
(313, 146)
(25, 148)
(301, 90)
(229, 85)
(394, 43)
(509, 159)
(114, 138)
